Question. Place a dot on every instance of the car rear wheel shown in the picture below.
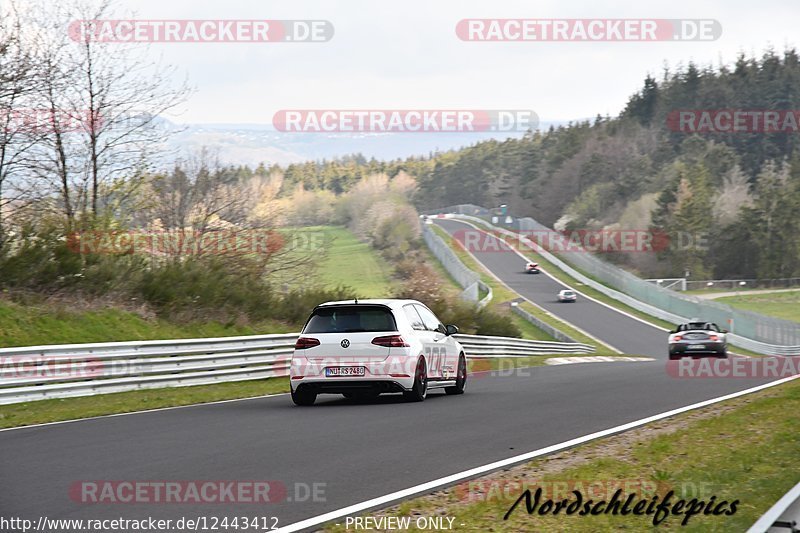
(420, 388)
(304, 397)
(461, 378)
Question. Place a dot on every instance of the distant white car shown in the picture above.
(567, 295)
(362, 348)
(532, 268)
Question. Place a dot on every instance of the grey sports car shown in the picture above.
(698, 338)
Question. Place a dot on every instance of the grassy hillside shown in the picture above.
(348, 261)
(34, 324)
(784, 305)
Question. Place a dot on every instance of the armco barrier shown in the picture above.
(61, 371)
(469, 280)
(751, 331)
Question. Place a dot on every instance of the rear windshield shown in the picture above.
(350, 319)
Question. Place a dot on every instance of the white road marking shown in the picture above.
(594, 359)
(383, 501)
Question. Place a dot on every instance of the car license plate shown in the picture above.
(336, 371)
(697, 346)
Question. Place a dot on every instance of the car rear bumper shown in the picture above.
(385, 374)
(709, 349)
(351, 385)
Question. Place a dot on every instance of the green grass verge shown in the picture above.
(746, 453)
(348, 261)
(23, 414)
(35, 324)
(785, 305)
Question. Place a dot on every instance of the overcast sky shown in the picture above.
(405, 54)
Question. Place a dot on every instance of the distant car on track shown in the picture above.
(362, 348)
(697, 338)
(532, 268)
(567, 295)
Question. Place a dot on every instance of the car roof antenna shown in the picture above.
(356, 299)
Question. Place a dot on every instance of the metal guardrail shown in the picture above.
(488, 346)
(465, 277)
(483, 302)
(783, 516)
(62, 371)
(658, 312)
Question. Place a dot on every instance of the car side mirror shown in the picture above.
(450, 329)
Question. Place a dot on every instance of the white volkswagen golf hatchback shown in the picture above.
(362, 348)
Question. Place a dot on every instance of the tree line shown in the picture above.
(734, 194)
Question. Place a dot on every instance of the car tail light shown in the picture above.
(677, 338)
(713, 337)
(305, 342)
(391, 341)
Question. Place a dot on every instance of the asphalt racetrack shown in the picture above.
(339, 453)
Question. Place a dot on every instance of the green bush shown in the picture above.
(491, 323)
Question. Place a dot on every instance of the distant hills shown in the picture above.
(251, 144)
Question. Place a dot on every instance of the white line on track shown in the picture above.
(383, 501)
(593, 359)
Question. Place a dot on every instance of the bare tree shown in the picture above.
(108, 100)
(19, 77)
